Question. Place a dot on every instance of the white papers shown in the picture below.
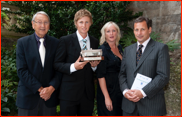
(140, 81)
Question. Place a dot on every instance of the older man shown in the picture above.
(151, 59)
(37, 94)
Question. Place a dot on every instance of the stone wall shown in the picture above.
(9, 38)
(166, 17)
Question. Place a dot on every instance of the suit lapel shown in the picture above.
(48, 48)
(147, 51)
(133, 55)
(35, 49)
(91, 42)
(76, 45)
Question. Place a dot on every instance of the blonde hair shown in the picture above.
(82, 13)
(103, 38)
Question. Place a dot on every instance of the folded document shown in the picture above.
(140, 81)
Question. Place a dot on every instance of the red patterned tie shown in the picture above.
(139, 53)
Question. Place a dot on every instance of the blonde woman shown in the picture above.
(109, 96)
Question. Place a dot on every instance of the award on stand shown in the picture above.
(91, 55)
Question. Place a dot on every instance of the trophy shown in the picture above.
(91, 55)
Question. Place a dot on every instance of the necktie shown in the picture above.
(42, 51)
(139, 53)
(84, 44)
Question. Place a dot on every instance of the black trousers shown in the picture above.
(82, 107)
(41, 109)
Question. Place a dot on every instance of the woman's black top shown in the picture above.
(109, 68)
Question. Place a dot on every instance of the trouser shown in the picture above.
(82, 107)
(41, 109)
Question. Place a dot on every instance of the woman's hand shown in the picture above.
(108, 103)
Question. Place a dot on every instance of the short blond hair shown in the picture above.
(82, 13)
(103, 38)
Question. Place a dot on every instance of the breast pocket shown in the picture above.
(150, 62)
(149, 67)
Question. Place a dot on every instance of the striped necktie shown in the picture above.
(139, 54)
(84, 44)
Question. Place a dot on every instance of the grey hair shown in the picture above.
(103, 38)
(40, 12)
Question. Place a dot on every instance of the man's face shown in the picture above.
(141, 31)
(83, 25)
(41, 25)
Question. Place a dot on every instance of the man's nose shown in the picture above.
(84, 24)
(42, 24)
(139, 32)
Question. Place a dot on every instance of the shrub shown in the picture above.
(62, 14)
(8, 64)
(9, 80)
(5, 20)
(172, 44)
(8, 96)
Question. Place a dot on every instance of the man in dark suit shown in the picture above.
(77, 85)
(149, 58)
(37, 89)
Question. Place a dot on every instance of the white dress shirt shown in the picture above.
(144, 45)
(72, 67)
(143, 49)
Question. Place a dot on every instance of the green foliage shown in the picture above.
(128, 39)
(95, 108)
(8, 64)
(172, 44)
(4, 16)
(5, 20)
(62, 14)
(58, 110)
(8, 96)
(156, 37)
(9, 80)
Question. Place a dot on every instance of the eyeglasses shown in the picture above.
(40, 23)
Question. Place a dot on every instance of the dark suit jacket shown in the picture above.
(31, 73)
(153, 63)
(75, 84)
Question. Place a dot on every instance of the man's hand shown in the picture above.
(79, 65)
(46, 92)
(94, 63)
(131, 96)
(39, 90)
(137, 93)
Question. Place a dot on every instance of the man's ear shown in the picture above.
(150, 30)
(32, 25)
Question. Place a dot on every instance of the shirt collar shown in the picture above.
(144, 43)
(37, 37)
(80, 37)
